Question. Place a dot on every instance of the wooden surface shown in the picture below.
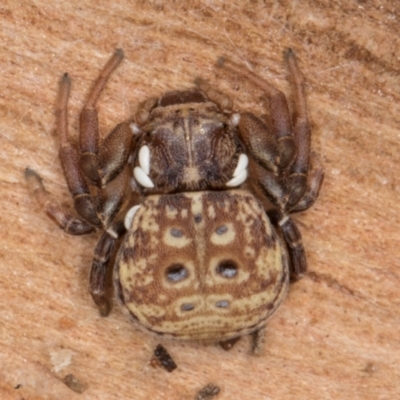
(337, 334)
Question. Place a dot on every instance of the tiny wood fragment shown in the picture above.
(208, 392)
(162, 357)
(74, 384)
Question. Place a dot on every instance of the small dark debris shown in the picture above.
(19, 386)
(162, 356)
(370, 368)
(228, 344)
(74, 384)
(208, 392)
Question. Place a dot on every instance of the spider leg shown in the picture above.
(98, 273)
(83, 201)
(66, 221)
(96, 210)
(102, 163)
(275, 151)
(302, 133)
(293, 240)
(143, 112)
(105, 165)
(99, 163)
(295, 188)
(314, 183)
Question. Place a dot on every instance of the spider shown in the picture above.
(203, 257)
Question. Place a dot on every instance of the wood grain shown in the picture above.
(336, 335)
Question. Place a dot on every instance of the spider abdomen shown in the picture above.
(202, 265)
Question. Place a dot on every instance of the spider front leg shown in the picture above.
(272, 146)
(314, 183)
(99, 163)
(104, 165)
(282, 161)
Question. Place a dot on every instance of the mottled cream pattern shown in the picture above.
(229, 272)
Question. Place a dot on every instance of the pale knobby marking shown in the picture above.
(240, 173)
(238, 180)
(243, 162)
(142, 178)
(129, 216)
(144, 159)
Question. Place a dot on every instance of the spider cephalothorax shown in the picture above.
(202, 258)
(193, 144)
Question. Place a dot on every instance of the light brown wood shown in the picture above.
(337, 334)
